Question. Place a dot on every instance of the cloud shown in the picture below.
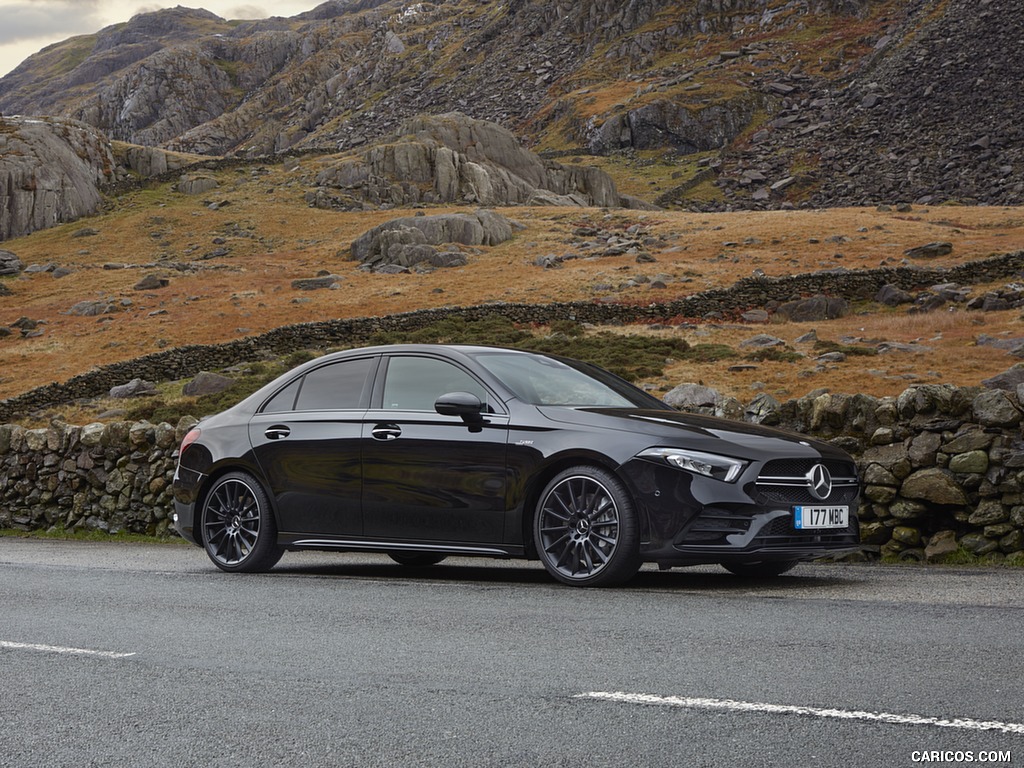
(31, 19)
(245, 12)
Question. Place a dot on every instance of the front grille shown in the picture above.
(784, 481)
(800, 467)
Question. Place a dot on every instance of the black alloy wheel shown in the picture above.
(417, 559)
(238, 528)
(586, 529)
(764, 570)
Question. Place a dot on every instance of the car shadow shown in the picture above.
(704, 579)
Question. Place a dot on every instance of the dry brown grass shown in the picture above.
(274, 238)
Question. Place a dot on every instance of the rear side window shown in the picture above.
(333, 387)
(284, 400)
(338, 386)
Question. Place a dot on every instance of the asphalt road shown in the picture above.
(123, 655)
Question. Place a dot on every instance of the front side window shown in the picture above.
(415, 383)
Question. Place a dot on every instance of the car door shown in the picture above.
(429, 477)
(306, 440)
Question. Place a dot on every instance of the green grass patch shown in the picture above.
(774, 355)
(710, 353)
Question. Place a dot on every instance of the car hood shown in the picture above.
(701, 433)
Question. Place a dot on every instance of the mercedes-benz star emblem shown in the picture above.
(819, 480)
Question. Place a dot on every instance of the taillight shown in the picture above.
(191, 437)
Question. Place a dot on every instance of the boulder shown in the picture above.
(206, 383)
(480, 228)
(692, 396)
(929, 250)
(196, 185)
(134, 388)
(10, 264)
(892, 295)
(93, 308)
(151, 283)
(762, 341)
(815, 308)
(316, 283)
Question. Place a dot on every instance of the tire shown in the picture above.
(238, 529)
(763, 570)
(417, 559)
(585, 528)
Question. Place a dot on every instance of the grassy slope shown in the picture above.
(273, 238)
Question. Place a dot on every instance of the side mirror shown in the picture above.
(464, 404)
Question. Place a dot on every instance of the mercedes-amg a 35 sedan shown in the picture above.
(424, 451)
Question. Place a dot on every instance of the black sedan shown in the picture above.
(425, 451)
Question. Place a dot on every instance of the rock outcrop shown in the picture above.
(455, 159)
(50, 172)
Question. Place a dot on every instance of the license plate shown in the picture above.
(805, 518)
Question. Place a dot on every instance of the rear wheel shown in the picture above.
(586, 529)
(416, 559)
(760, 570)
(239, 533)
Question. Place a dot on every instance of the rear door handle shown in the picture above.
(277, 432)
(386, 431)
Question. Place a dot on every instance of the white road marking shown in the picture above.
(784, 709)
(62, 649)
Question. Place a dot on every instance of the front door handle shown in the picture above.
(386, 431)
(277, 432)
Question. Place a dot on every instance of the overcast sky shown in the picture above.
(26, 26)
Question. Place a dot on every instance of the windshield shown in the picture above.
(541, 380)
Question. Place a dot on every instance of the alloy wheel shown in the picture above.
(578, 527)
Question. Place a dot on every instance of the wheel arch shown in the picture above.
(557, 464)
(216, 473)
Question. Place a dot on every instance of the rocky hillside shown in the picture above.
(742, 103)
(50, 171)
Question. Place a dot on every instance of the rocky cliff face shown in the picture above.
(50, 171)
(818, 102)
(348, 72)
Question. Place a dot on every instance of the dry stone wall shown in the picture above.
(942, 467)
(111, 477)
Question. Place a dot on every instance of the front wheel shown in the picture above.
(239, 533)
(586, 529)
(764, 570)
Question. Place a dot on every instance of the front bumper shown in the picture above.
(691, 519)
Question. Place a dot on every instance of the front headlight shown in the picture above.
(724, 468)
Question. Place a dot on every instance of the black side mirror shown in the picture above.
(464, 404)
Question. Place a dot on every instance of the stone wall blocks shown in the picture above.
(934, 485)
(996, 408)
(989, 512)
(978, 544)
